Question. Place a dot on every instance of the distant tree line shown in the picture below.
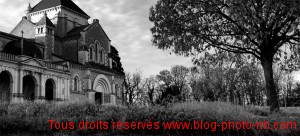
(223, 77)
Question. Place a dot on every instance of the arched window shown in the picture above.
(91, 53)
(96, 51)
(102, 56)
(117, 90)
(76, 84)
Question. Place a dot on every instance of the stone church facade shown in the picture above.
(54, 54)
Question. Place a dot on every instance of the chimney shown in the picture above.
(95, 20)
(61, 28)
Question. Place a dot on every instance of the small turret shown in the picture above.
(28, 10)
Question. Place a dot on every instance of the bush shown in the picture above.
(32, 118)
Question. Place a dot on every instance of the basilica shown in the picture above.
(55, 54)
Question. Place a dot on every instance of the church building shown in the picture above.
(55, 54)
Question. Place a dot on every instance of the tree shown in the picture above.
(257, 28)
(180, 75)
(194, 79)
(250, 85)
(173, 84)
(150, 87)
(116, 60)
(132, 84)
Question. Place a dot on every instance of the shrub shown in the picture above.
(32, 118)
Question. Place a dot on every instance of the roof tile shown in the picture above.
(45, 20)
(44, 4)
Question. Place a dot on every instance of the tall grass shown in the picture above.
(32, 117)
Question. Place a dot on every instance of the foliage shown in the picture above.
(173, 85)
(116, 64)
(25, 122)
(256, 28)
(133, 87)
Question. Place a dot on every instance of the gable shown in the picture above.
(45, 4)
(26, 26)
(33, 62)
(97, 24)
(95, 33)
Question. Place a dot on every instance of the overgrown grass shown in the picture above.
(31, 118)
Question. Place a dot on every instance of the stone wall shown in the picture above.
(70, 51)
(26, 26)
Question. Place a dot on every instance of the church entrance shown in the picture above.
(98, 98)
(29, 88)
(50, 87)
(5, 86)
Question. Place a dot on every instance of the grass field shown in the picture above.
(208, 118)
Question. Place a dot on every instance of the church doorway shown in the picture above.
(50, 88)
(5, 86)
(29, 88)
(98, 98)
(103, 89)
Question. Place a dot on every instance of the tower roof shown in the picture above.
(29, 8)
(45, 21)
(44, 4)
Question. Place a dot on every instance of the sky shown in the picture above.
(126, 24)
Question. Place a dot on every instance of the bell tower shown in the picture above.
(44, 34)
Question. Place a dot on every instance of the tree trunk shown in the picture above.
(239, 98)
(270, 84)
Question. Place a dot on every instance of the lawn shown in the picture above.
(209, 118)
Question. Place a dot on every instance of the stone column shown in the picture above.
(91, 96)
(19, 95)
(42, 86)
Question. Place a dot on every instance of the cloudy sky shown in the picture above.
(125, 22)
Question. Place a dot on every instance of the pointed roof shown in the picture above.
(29, 8)
(45, 4)
(45, 21)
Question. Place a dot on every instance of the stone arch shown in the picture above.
(30, 87)
(6, 85)
(103, 88)
(91, 52)
(50, 89)
(79, 86)
(102, 80)
(97, 42)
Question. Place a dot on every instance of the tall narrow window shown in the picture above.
(117, 90)
(102, 56)
(91, 53)
(96, 51)
(76, 84)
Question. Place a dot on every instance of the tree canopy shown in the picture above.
(258, 28)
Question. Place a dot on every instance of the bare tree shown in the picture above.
(132, 84)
